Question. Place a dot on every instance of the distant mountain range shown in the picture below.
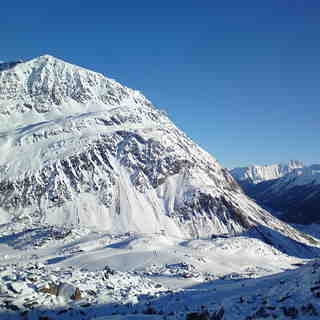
(292, 188)
(256, 174)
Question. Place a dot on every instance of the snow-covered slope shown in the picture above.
(77, 148)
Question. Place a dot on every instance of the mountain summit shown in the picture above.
(77, 148)
(49, 84)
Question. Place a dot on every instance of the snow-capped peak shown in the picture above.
(47, 85)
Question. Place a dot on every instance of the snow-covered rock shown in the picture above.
(292, 294)
(18, 287)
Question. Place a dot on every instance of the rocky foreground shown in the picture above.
(59, 276)
(31, 292)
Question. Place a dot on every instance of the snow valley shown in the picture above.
(108, 210)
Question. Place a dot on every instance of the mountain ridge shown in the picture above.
(295, 194)
(258, 173)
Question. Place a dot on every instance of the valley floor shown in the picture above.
(55, 273)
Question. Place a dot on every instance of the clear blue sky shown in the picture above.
(239, 77)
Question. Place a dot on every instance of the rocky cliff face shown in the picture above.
(77, 148)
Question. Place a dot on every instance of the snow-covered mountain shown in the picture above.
(106, 208)
(77, 148)
(292, 189)
(256, 174)
(296, 195)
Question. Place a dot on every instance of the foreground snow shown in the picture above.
(136, 276)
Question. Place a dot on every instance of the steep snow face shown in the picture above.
(257, 174)
(79, 148)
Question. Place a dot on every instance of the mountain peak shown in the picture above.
(6, 65)
(47, 56)
(46, 83)
(52, 60)
(294, 163)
